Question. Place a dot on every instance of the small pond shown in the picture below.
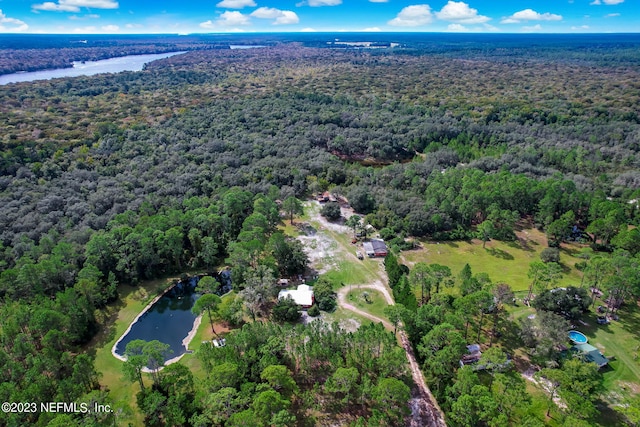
(168, 320)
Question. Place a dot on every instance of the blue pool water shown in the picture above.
(577, 337)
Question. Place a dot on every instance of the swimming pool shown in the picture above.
(577, 337)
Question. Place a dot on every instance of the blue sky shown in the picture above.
(218, 16)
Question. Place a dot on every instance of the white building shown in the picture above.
(303, 296)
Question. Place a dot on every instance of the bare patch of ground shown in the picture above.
(320, 248)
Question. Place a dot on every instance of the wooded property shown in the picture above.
(492, 184)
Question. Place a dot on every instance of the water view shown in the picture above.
(88, 68)
(169, 320)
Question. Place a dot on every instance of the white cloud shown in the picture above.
(582, 27)
(236, 4)
(132, 26)
(460, 12)
(288, 17)
(50, 6)
(532, 28)
(318, 3)
(530, 15)
(75, 5)
(110, 28)
(11, 25)
(227, 19)
(457, 28)
(308, 30)
(371, 29)
(607, 2)
(413, 16)
(379, 1)
(282, 17)
(611, 15)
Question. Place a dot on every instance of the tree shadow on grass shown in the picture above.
(499, 253)
(523, 244)
(630, 317)
(509, 335)
(572, 252)
(452, 244)
(565, 268)
(107, 326)
(607, 416)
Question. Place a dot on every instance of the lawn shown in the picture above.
(619, 339)
(369, 300)
(506, 262)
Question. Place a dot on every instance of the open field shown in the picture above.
(506, 262)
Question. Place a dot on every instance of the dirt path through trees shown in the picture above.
(425, 411)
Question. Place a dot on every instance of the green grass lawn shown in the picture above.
(506, 262)
(619, 339)
(374, 305)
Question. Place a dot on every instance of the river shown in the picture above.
(88, 68)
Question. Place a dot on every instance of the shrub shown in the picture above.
(550, 255)
(286, 310)
(324, 295)
(314, 311)
(331, 211)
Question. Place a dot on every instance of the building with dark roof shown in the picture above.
(375, 248)
(590, 354)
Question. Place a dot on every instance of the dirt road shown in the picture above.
(425, 411)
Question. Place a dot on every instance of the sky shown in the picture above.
(227, 16)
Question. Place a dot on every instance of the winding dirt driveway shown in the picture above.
(342, 302)
(425, 411)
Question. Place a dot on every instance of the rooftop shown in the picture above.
(302, 296)
(591, 354)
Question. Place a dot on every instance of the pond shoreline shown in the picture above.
(186, 341)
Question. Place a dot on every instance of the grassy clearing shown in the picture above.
(619, 340)
(506, 262)
(375, 304)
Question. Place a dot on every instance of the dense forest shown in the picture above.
(109, 180)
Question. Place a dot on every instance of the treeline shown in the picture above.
(271, 375)
(35, 52)
(305, 375)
